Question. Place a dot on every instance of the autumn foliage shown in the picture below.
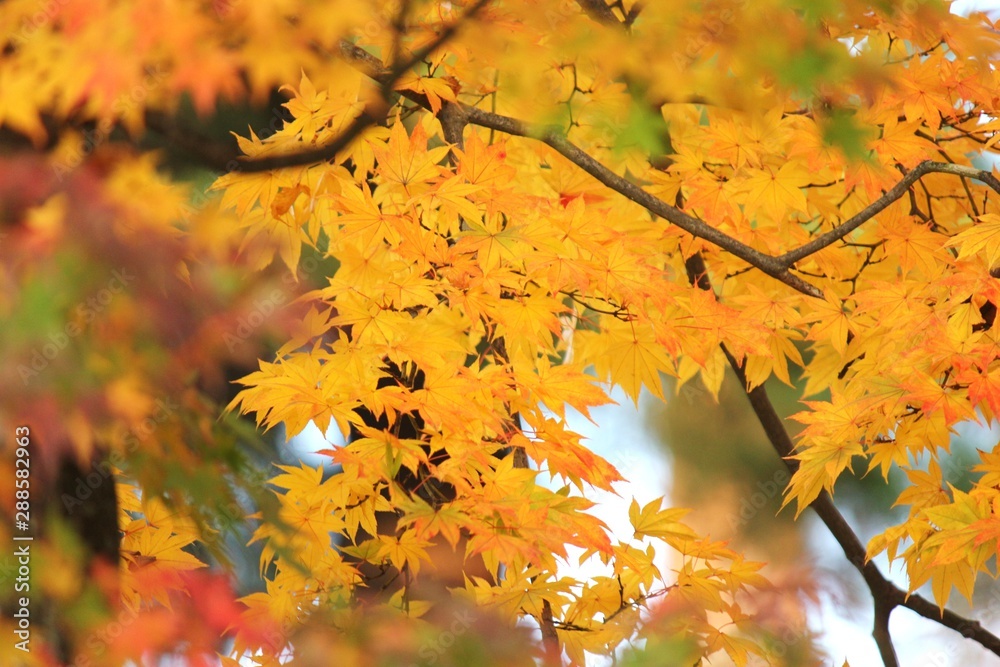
(518, 205)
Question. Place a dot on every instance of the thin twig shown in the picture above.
(885, 595)
(880, 204)
(600, 12)
(388, 77)
(775, 430)
(776, 267)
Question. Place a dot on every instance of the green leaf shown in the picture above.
(843, 131)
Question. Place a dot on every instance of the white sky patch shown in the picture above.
(965, 7)
(618, 433)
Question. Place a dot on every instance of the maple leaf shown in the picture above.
(484, 164)
(492, 242)
(776, 191)
(243, 191)
(558, 386)
(406, 550)
(900, 140)
(566, 457)
(404, 162)
(436, 89)
(983, 237)
(651, 521)
(635, 359)
(359, 214)
(831, 322)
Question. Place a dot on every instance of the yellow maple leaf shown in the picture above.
(405, 163)
(983, 237)
(776, 191)
(652, 521)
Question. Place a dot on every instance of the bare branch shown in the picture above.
(688, 223)
(600, 12)
(386, 77)
(461, 114)
(885, 595)
(969, 629)
(453, 123)
(209, 152)
(550, 639)
(880, 204)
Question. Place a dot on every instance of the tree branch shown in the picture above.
(633, 192)
(599, 12)
(373, 67)
(465, 114)
(885, 595)
(387, 77)
(970, 629)
(776, 267)
(453, 123)
(211, 153)
(877, 206)
(879, 587)
(460, 114)
(550, 638)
